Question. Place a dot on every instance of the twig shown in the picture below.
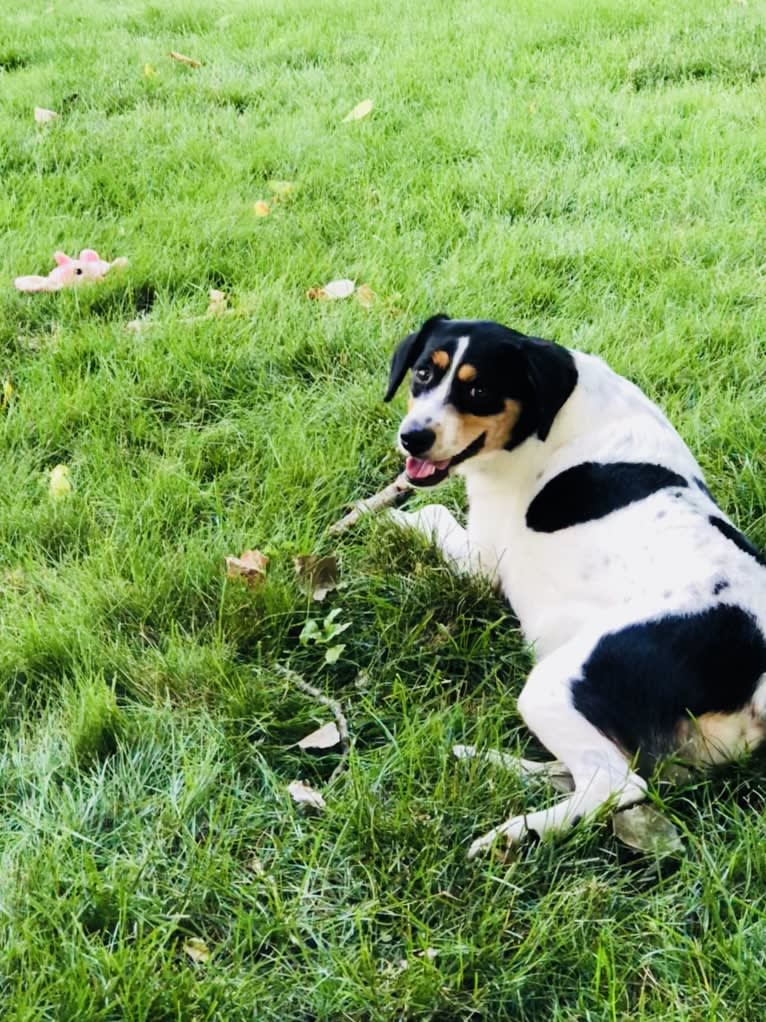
(393, 494)
(332, 704)
(183, 59)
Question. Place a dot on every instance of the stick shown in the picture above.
(332, 704)
(393, 494)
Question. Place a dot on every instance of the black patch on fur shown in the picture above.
(737, 538)
(408, 352)
(720, 586)
(593, 490)
(640, 683)
(701, 485)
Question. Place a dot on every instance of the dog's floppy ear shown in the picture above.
(408, 352)
(552, 377)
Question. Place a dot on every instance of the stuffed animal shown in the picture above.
(89, 268)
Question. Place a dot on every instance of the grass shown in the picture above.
(592, 173)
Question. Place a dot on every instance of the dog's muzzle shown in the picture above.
(424, 472)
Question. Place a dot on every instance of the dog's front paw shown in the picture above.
(513, 830)
(404, 519)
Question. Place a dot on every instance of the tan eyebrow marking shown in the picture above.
(466, 372)
(440, 358)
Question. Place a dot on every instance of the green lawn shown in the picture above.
(591, 172)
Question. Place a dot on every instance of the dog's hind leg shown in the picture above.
(601, 772)
(439, 525)
(552, 770)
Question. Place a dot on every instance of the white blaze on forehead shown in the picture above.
(433, 400)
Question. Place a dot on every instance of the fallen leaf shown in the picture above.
(8, 389)
(304, 795)
(43, 116)
(339, 288)
(644, 828)
(361, 110)
(365, 296)
(250, 566)
(197, 950)
(333, 291)
(261, 208)
(325, 737)
(256, 866)
(282, 189)
(183, 59)
(149, 71)
(318, 575)
(59, 482)
(218, 302)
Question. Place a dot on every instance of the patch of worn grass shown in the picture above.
(592, 173)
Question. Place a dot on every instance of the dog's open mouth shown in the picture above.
(429, 473)
(426, 473)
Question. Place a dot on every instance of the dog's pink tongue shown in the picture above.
(417, 469)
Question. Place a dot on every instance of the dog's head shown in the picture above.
(477, 387)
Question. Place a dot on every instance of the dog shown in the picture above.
(644, 606)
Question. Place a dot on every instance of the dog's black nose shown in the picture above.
(417, 441)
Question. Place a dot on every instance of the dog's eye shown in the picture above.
(478, 393)
(424, 375)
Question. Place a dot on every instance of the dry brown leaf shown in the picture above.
(197, 950)
(361, 110)
(250, 566)
(183, 59)
(325, 737)
(365, 296)
(261, 208)
(304, 795)
(318, 575)
(43, 116)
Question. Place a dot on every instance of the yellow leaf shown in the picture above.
(149, 71)
(261, 208)
(361, 110)
(59, 483)
(197, 950)
(7, 394)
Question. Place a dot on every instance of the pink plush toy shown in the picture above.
(88, 268)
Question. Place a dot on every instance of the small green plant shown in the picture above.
(324, 634)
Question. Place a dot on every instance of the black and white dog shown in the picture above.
(645, 607)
